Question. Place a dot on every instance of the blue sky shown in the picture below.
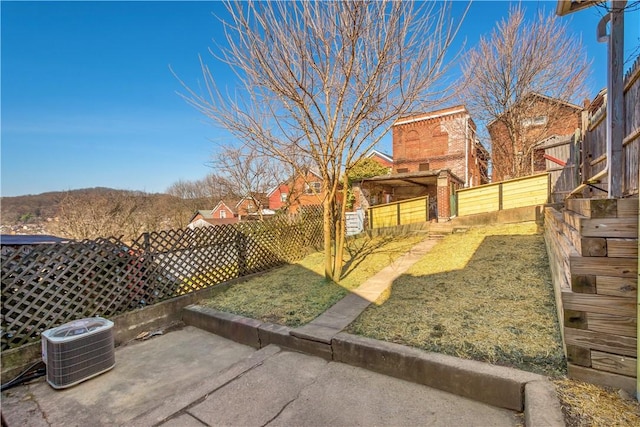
(88, 98)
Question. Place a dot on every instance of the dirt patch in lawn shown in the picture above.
(295, 294)
(485, 295)
(587, 405)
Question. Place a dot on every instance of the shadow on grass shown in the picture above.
(495, 306)
(296, 294)
(359, 249)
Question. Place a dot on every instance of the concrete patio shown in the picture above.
(190, 377)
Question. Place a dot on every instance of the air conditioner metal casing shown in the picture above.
(77, 351)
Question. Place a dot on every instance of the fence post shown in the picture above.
(146, 241)
(426, 208)
(500, 196)
(241, 247)
(398, 212)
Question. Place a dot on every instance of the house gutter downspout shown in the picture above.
(603, 37)
(466, 152)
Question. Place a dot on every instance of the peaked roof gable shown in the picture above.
(444, 112)
(385, 156)
(544, 97)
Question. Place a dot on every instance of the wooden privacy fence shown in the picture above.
(594, 146)
(515, 193)
(49, 284)
(399, 213)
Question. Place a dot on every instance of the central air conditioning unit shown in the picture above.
(77, 351)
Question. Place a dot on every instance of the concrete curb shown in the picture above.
(494, 385)
(543, 407)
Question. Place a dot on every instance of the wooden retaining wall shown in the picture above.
(593, 253)
(515, 193)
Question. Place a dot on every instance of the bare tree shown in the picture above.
(250, 174)
(325, 80)
(211, 186)
(108, 213)
(505, 73)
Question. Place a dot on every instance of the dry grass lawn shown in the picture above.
(298, 293)
(485, 295)
(588, 405)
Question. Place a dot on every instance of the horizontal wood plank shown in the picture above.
(617, 286)
(626, 326)
(617, 306)
(607, 379)
(609, 227)
(622, 365)
(628, 208)
(622, 248)
(604, 266)
(609, 343)
(594, 208)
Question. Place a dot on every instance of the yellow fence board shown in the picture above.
(529, 191)
(411, 211)
(484, 199)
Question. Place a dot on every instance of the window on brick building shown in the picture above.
(402, 170)
(422, 167)
(313, 188)
(534, 121)
(223, 213)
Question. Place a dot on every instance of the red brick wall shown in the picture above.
(562, 121)
(438, 142)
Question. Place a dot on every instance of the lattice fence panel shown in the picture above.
(47, 285)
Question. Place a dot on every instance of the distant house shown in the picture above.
(253, 206)
(383, 159)
(516, 134)
(278, 197)
(220, 214)
(302, 190)
(437, 140)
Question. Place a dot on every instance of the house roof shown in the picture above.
(424, 178)
(227, 204)
(385, 156)
(553, 141)
(27, 239)
(565, 7)
(431, 115)
(545, 97)
(263, 198)
(206, 213)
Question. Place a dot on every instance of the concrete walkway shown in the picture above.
(340, 315)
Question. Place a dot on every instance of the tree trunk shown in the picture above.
(328, 265)
(340, 233)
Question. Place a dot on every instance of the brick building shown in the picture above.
(515, 134)
(442, 139)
